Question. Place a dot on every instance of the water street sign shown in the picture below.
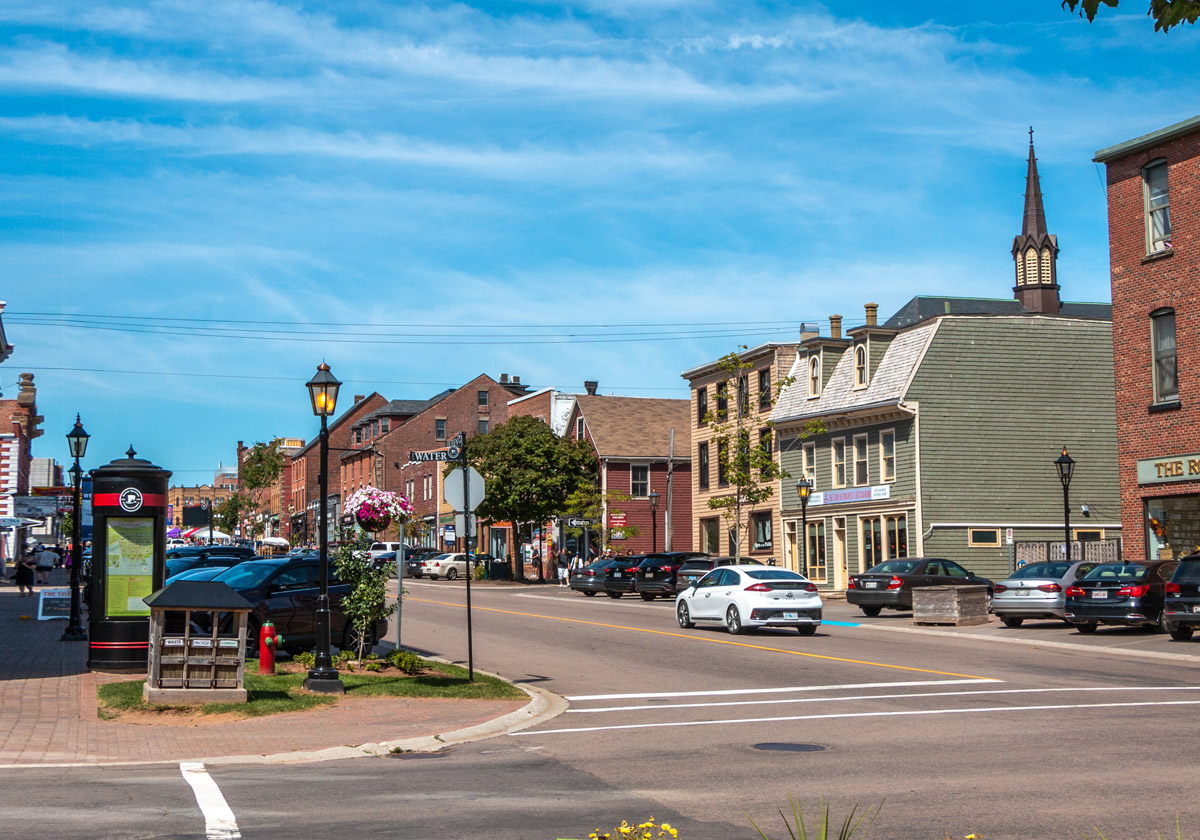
(436, 455)
(452, 488)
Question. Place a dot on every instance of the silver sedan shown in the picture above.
(1036, 591)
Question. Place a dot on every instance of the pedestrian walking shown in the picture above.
(562, 568)
(26, 567)
(535, 558)
(44, 561)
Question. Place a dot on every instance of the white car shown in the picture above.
(449, 566)
(378, 548)
(744, 597)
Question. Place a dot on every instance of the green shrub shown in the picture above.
(480, 572)
(342, 657)
(798, 830)
(373, 666)
(306, 658)
(406, 661)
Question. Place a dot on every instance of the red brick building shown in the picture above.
(19, 425)
(1154, 251)
(632, 438)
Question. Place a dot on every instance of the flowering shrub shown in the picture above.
(646, 831)
(375, 509)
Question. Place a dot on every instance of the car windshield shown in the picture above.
(1188, 571)
(1043, 571)
(696, 566)
(247, 575)
(1114, 571)
(772, 574)
(437, 557)
(893, 567)
(180, 564)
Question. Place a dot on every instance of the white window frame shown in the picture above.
(860, 366)
(1156, 245)
(809, 462)
(884, 475)
(632, 489)
(833, 449)
(865, 460)
(814, 377)
(1157, 319)
(580, 429)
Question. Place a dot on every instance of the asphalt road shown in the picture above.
(1028, 733)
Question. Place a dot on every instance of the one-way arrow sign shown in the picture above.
(578, 522)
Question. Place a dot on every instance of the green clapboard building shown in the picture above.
(938, 429)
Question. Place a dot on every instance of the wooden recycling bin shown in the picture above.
(957, 605)
(197, 644)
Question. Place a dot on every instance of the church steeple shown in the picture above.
(1035, 251)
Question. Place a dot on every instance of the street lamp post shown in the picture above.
(323, 677)
(803, 490)
(77, 441)
(653, 521)
(1065, 465)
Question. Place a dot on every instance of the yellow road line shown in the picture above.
(702, 639)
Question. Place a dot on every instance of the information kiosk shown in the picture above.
(129, 517)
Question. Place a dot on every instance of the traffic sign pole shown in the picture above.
(466, 484)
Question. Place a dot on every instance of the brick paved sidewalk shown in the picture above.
(48, 709)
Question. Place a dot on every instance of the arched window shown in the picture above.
(860, 366)
(1031, 266)
(1158, 207)
(814, 376)
(1045, 267)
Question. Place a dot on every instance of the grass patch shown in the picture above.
(271, 695)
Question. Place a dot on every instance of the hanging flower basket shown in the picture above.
(375, 509)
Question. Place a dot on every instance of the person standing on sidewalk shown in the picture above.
(44, 560)
(562, 568)
(23, 575)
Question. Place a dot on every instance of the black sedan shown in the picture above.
(891, 584)
(656, 575)
(1181, 611)
(413, 557)
(621, 577)
(590, 579)
(1122, 594)
(691, 571)
(202, 560)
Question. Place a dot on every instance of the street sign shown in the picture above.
(579, 522)
(618, 520)
(460, 529)
(436, 455)
(453, 488)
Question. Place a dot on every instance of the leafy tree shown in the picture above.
(1166, 13)
(366, 602)
(262, 467)
(530, 473)
(748, 467)
(230, 512)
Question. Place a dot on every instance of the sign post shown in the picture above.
(462, 487)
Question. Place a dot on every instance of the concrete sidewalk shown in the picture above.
(48, 712)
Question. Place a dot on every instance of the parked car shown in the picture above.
(1181, 608)
(1123, 594)
(621, 577)
(450, 565)
(206, 573)
(696, 568)
(203, 560)
(384, 559)
(378, 548)
(590, 579)
(190, 550)
(284, 591)
(176, 542)
(656, 575)
(746, 597)
(1036, 591)
(890, 584)
(413, 557)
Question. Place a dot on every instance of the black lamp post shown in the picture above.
(653, 521)
(77, 441)
(323, 677)
(1066, 466)
(803, 490)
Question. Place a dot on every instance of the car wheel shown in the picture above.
(647, 596)
(253, 631)
(1013, 622)
(451, 574)
(733, 621)
(1181, 633)
(988, 602)
(614, 594)
(1086, 628)
(589, 593)
(871, 611)
(683, 616)
(350, 637)
(807, 629)
(1161, 625)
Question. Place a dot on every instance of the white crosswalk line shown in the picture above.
(219, 822)
(778, 690)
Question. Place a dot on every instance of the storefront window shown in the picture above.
(897, 528)
(1172, 527)
(816, 552)
(872, 541)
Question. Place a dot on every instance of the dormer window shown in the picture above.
(860, 366)
(814, 376)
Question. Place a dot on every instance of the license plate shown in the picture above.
(1196, 608)
(791, 615)
(871, 584)
(1099, 593)
(619, 574)
(1020, 591)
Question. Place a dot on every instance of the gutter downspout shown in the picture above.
(604, 500)
(668, 518)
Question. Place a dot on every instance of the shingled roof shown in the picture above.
(636, 427)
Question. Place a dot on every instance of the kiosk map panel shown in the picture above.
(130, 561)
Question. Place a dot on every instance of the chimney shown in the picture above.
(808, 331)
(516, 380)
(504, 379)
(590, 385)
(872, 314)
(359, 398)
(27, 394)
(835, 326)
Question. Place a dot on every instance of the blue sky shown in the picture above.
(232, 191)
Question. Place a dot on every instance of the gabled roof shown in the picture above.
(410, 408)
(1146, 141)
(339, 421)
(887, 387)
(923, 307)
(746, 355)
(636, 427)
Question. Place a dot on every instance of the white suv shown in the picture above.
(379, 548)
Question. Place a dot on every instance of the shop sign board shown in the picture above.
(54, 603)
(851, 494)
(130, 561)
(1170, 468)
(618, 520)
(36, 506)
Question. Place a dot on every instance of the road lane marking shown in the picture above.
(844, 697)
(219, 822)
(710, 641)
(912, 713)
(778, 690)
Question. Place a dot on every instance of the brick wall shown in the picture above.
(1142, 284)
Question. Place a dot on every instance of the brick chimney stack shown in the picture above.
(835, 326)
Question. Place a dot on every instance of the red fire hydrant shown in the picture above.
(268, 641)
